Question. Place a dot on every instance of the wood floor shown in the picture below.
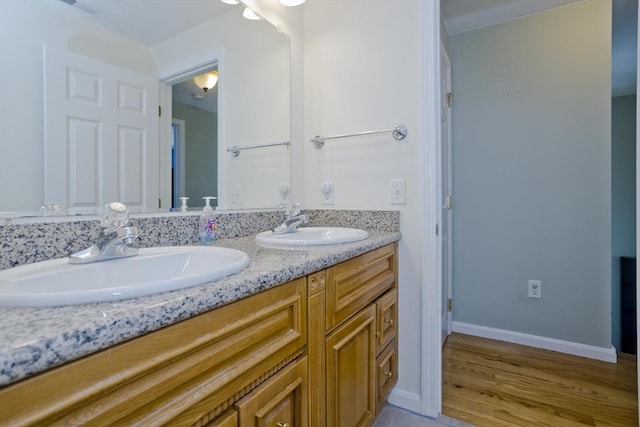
(492, 383)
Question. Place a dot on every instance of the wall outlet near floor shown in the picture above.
(535, 289)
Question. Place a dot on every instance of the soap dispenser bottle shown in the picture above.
(208, 231)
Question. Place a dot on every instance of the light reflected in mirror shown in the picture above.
(253, 100)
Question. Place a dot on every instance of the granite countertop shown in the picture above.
(33, 340)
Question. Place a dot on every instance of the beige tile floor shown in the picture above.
(392, 416)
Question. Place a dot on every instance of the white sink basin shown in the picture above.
(154, 270)
(311, 236)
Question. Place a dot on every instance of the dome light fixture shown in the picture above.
(291, 2)
(206, 81)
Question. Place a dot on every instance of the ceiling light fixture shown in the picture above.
(291, 2)
(206, 81)
(250, 14)
(230, 1)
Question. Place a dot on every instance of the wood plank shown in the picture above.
(493, 383)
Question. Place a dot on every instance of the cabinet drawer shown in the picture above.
(353, 284)
(228, 419)
(281, 401)
(185, 373)
(386, 373)
(387, 318)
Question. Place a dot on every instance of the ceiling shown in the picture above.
(127, 17)
(466, 15)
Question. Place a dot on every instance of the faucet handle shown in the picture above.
(114, 215)
(292, 209)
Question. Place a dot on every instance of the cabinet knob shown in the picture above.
(388, 374)
(389, 322)
(282, 424)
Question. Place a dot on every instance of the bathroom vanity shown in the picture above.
(299, 338)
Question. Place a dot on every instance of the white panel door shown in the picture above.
(101, 134)
(445, 193)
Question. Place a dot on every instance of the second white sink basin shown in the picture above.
(153, 270)
(310, 236)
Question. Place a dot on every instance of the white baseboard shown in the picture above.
(405, 400)
(576, 349)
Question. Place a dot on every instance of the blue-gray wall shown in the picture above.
(201, 152)
(532, 174)
(623, 196)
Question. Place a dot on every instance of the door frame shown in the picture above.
(446, 190)
(179, 166)
(180, 73)
(431, 350)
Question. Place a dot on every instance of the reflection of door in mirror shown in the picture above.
(100, 137)
(194, 157)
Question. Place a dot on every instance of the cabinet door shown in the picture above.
(351, 371)
(387, 317)
(280, 402)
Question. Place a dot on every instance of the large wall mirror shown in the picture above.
(231, 141)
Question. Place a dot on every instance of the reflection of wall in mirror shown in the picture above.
(22, 123)
(201, 152)
(254, 106)
(241, 121)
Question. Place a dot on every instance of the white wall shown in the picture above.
(24, 27)
(532, 174)
(363, 71)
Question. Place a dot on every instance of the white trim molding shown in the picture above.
(405, 400)
(568, 347)
(431, 348)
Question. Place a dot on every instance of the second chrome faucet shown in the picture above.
(293, 218)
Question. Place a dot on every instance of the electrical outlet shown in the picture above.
(535, 289)
(236, 193)
(328, 197)
(283, 190)
(397, 194)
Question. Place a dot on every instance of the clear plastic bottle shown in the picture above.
(208, 231)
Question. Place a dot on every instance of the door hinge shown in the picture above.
(448, 202)
(449, 305)
(436, 229)
(159, 111)
(159, 203)
(449, 99)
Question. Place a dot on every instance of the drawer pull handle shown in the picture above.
(388, 374)
(389, 322)
(282, 424)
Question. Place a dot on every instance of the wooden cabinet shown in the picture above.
(353, 349)
(187, 373)
(317, 351)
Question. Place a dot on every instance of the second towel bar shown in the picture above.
(235, 150)
(398, 133)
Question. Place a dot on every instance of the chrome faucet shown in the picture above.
(292, 219)
(115, 238)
